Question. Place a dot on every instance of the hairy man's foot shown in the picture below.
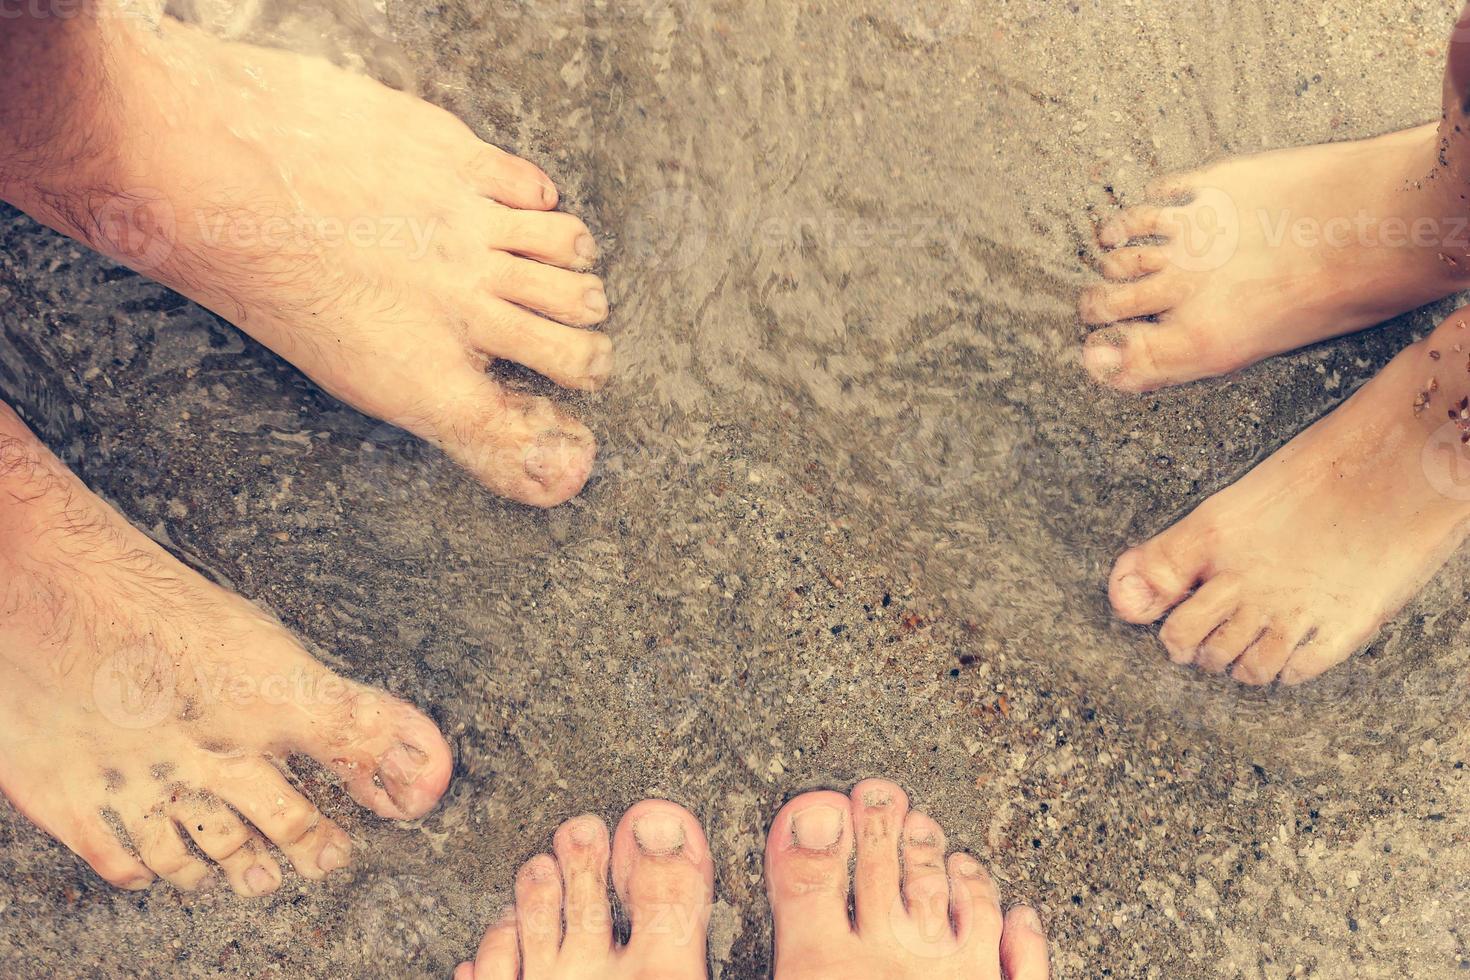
(364, 235)
(141, 706)
(561, 927)
(1294, 568)
(916, 915)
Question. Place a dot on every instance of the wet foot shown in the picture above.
(1294, 568)
(146, 714)
(362, 234)
(561, 926)
(916, 914)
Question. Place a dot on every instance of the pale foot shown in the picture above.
(561, 927)
(362, 234)
(1263, 254)
(1294, 568)
(141, 706)
(917, 916)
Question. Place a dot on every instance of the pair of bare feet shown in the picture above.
(903, 909)
(1297, 566)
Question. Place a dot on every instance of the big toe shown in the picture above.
(807, 854)
(664, 877)
(1149, 580)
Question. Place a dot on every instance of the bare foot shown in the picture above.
(1291, 570)
(364, 235)
(561, 927)
(917, 915)
(141, 705)
(1263, 254)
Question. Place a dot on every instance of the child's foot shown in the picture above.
(1277, 251)
(915, 915)
(142, 707)
(364, 235)
(561, 927)
(1291, 570)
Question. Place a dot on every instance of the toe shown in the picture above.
(313, 844)
(1224, 646)
(1198, 616)
(1132, 263)
(389, 755)
(240, 852)
(499, 956)
(573, 358)
(1316, 654)
(977, 918)
(1023, 951)
(878, 811)
(508, 179)
(96, 844)
(162, 850)
(1140, 357)
(553, 237)
(1261, 662)
(925, 881)
(581, 848)
(806, 872)
(665, 878)
(538, 914)
(575, 298)
(1112, 302)
(1141, 222)
(1151, 579)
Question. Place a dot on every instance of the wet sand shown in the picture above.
(855, 511)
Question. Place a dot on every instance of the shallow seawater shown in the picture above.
(856, 502)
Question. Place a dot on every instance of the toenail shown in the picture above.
(333, 856)
(540, 465)
(259, 880)
(1102, 360)
(1027, 917)
(548, 193)
(538, 870)
(402, 765)
(596, 301)
(923, 838)
(583, 833)
(138, 884)
(816, 828)
(659, 833)
(586, 247)
(877, 797)
(1134, 593)
(968, 867)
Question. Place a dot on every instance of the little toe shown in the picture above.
(313, 844)
(499, 955)
(1125, 264)
(1224, 646)
(1112, 302)
(1141, 357)
(925, 880)
(508, 179)
(162, 849)
(553, 237)
(240, 852)
(575, 298)
(1317, 653)
(806, 872)
(1261, 662)
(665, 879)
(1197, 617)
(573, 358)
(538, 914)
(878, 811)
(521, 446)
(581, 848)
(1151, 579)
(976, 909)
(1023, 947)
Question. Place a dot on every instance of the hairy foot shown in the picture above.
(1263, 254)
(1294, 568)
(362, 234)
(561, 927)
(145, 713)
(916, 914)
